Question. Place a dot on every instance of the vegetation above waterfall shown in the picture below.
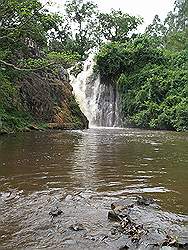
(151, 73)
(84, 27)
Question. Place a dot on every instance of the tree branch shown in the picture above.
(22, 24)
(24, 69)
(7, 37)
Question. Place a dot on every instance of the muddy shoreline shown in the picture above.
(84, 221)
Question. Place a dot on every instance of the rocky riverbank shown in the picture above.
(84, 221)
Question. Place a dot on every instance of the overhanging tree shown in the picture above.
(24, 26)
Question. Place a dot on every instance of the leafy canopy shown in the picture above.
(85, 27)
(152, 82)
(116, 25)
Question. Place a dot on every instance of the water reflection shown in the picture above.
(108, 162)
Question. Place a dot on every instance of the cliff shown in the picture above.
(46, 100)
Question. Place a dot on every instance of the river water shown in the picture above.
(101, 165)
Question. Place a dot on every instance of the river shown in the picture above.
(37, 168)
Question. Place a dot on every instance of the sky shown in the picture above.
(144, 8)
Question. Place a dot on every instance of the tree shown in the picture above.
(85, 27)
(24, 34)
(156, 29)
(82, 16)
(61, 40)
(173, 32)
(177, 25)
(24, 27)
(181, 11)
(117, 26)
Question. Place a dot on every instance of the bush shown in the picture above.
(152, 82)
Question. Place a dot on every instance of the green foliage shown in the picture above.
(84, 27)
(151, 72)
(156, 29)
(8, 93)
(116, 25)
(24, 27)
(12, 117)
(116, 58)
(153, 82)
(77, 69)
(50, 60)
(66, 59)
(173, 32)
(82, 16)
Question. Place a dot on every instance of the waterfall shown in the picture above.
(98, 101)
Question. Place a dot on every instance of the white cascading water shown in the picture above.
(98, 101)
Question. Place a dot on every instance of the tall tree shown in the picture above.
(173, 32)
(117, 26)
(82, 15)
(157, 28)
(177, 23)
(24, 27)
(85, 27)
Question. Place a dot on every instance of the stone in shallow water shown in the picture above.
(144, 201)
(55, 211)
(77, 227)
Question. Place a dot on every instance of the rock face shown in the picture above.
(49, 99)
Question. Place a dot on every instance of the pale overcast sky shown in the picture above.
(145, 8)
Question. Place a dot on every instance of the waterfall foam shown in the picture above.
(98, 101)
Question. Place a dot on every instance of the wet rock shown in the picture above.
(69, 197)
(173, 242)
(8, 196)
(126, 224)
(125, 247)
(113, 216)
(183, 240)
(133, 230)
(77, 227)
(145, 226)
(55, 211)
(119, 211)
(114, 231)
(143, 201)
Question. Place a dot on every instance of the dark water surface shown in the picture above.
(38, 168)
